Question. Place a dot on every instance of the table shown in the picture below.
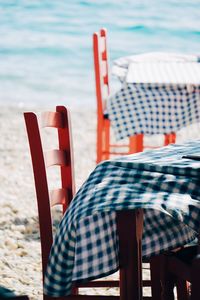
(160, 181)
(153, 103)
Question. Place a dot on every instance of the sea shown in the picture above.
(46, 45)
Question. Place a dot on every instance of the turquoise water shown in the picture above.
(46, 46)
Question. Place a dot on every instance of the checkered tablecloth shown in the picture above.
(153, 108)
(161, 182)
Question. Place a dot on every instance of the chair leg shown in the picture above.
(167, 280)
(106, 139)
(182, 287)
(99, 143)
(129, 227)
(195, 293)
(170, 138)
(136, 143)
(156, 289)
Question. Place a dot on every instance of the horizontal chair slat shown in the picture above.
(105, 79)
(87, 297)
(51, 119)
(58, 196)
(104, 55)
(55, 157)
(106, 283)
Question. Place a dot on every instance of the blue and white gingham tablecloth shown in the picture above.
(152, 108)
(160, 181)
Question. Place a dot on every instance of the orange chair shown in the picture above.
(104, 146)
(129, 223)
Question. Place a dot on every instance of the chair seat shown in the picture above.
(187, 254)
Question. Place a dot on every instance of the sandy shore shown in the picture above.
(19, 240)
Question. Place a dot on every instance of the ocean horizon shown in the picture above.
(46, 46)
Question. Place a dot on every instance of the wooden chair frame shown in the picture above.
(178, 269)
(104, 146)
(129, 223)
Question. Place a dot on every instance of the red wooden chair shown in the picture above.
(104, 146)
(129, 223)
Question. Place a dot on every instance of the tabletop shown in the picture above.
(159, 94)
(160, 181)
(183, 73)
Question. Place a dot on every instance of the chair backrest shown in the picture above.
(62, 157)
(101, 69)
